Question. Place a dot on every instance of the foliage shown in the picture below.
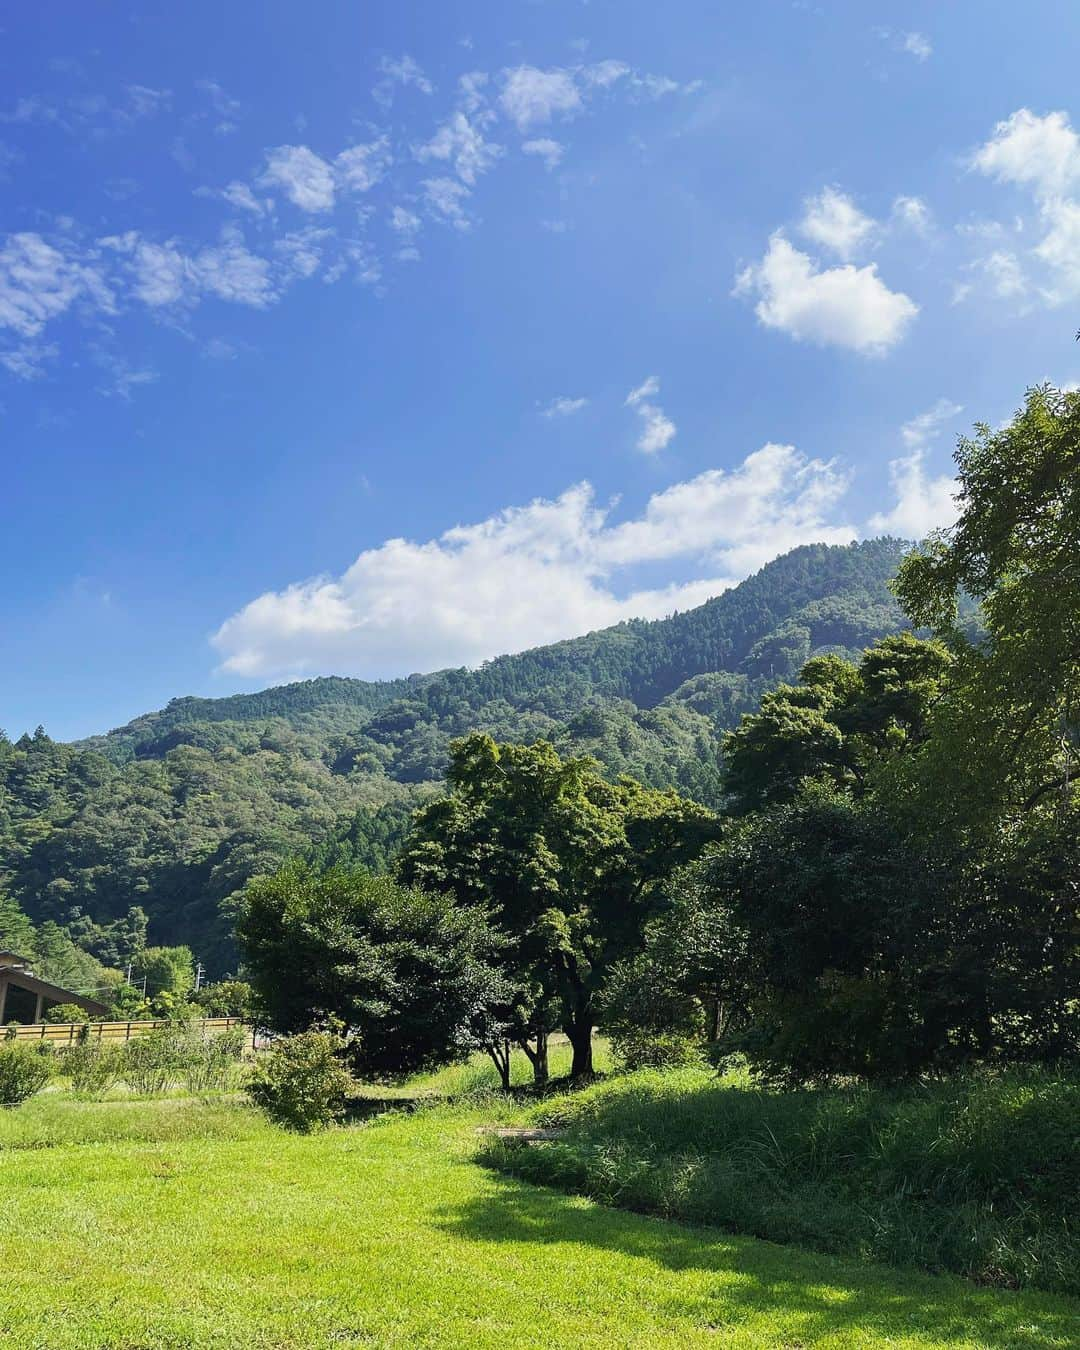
(22, 1072)
(300, 1081)
(978, 1173)
(210, 1061)
(167, 818)
(154, 1060)
(837, 723)
(226, 998)
(66, 1012)
(165, 970)
(415, 979)
(569, 864)
(92, 1066)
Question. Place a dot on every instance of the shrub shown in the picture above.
(93, 1068)
(210, 1061)
(23, 1071)
(643, 1049)
(66, 1012)
(300, 1082)
(156, 1060)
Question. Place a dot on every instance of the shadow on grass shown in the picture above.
(814, 1295)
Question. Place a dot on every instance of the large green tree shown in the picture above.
(416, 979)
(570, 865)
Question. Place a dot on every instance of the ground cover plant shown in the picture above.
(978, 1173)
(388, 1234)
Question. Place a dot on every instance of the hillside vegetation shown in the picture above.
(174, 812)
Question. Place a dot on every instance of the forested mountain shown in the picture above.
(176, 810)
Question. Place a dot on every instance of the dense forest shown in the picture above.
(174, 812)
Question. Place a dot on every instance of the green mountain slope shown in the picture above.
(174, 811)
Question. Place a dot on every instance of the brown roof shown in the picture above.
(22, 980)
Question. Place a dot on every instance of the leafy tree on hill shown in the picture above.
(569, 865)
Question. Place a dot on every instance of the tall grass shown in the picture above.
(979, 1174)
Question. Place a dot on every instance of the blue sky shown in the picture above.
(368, 338)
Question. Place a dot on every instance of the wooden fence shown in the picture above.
(67, 1033)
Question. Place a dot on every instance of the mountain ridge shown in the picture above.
(173, 811)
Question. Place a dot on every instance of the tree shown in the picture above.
(569, 865)
(168, 973)
(838, 724)
(1007, 739)
(415, 979)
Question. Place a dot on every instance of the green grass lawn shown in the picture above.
(178, 1225)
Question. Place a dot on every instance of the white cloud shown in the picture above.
(1041, 153)
(360, 167)
(912, 213)
(657, 429)
(305, 178)
(1059, 249)
(404, 222)
(842, 306)
(551, 152)
(303, 250)
(923, 428)
(534, 574)
(564, 406)
(445, 198)
(918, 46)
(462, 142)
(39, 282)
(162, 275)
(403, 72)
(28, 360)
(922, 503)
(834, 221)
(603, 74)
(237, 194)
(531, 97)
(122, 376)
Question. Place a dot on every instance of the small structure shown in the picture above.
(25, 998)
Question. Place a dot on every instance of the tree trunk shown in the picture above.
(538, 1058)
(500, 1056)
(579, 1031)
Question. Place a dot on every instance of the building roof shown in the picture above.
(21, 979)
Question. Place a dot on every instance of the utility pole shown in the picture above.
(198, 975)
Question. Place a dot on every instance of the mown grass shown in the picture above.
(979, 1174)
(228, 1234)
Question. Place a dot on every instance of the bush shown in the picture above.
(23, 1071)
(210, 1060)
(155, 1060)
(66, 1012)
(643, 1049)
(92, 1067)
(300, 1082)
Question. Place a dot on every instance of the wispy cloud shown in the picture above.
(564, 406)
(657, 429)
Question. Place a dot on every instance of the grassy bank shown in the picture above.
(978, 1175)
(236, 1236)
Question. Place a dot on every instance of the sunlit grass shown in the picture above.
(160, 1225)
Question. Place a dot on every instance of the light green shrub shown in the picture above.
(300, 1081)
(23, 1071)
